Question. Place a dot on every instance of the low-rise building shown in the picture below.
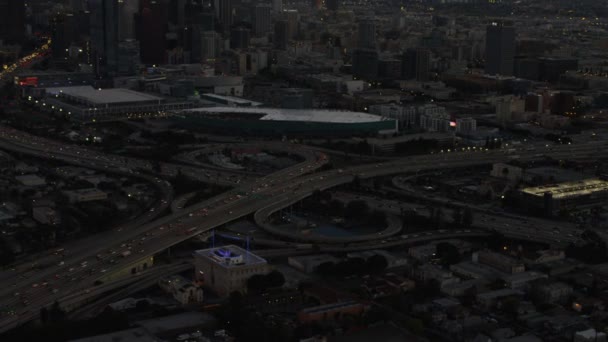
(590, 335)
(508, 172)
(330, 311)
(85, 195)
(569, 196)
(554, 292)
(183, 290)
(226, 269)
(392, 259)
(309, 263)
(46, 215)
(489, 299)
(31, 180)
(544, 256)
(429, 272)
(523, 279)
(468, 269)
(499, 261)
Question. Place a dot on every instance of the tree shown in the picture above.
(415, 326)
(437, 217)
(336, 208)
(467, 218)
(448, 253)
(256, 283)
(457, 217)
(510, 306)
(376, 263)
(325, 269)
(356, 209)
(275, 279)
(378, 217)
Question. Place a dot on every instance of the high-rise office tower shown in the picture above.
(127, 10)
(293, 18)
(277, 6)
(223, 12)
(408, 64)
(415, 64)
(239, 37)
(365, 64)
(12, 20)
(78, 5)
(332, 5)
(151, 23)
(500, 49)
(262, 19)
(177, 12)
(209, 45)
(281, 38)
(128, 57)
(423, 65)
(104, 34)
(367, 34)
(63, 33)
(206, 20)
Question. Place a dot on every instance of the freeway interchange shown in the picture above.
(25, 292)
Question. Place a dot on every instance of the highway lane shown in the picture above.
(512, 226)
(423, 163)
(25, 62)
(58, 150)
(276, 191)
(164, 190)
(92, 267)
(393, 242)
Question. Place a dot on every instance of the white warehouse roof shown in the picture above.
(281, 114)
(103, 96)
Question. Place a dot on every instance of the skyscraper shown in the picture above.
(332, 5)
(367, 34)
(365, 64)
(223, 11)
(262, 18)
(127, 10)
(500, 49)
(281, 38)
(277, 6)
(415, 64)
(423, 63)
(104, 34)
(177, 12)
(12, 20)
(293, 18)
(63, 32)
(151, 29)
(239, 37)
(209, 45)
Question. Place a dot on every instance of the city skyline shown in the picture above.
(304, 170)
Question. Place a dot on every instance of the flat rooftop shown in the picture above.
(305, 115)
(103, 96)
(229, 256)
(236, 100)
(181, 321)
(130, 335)
(569, 189)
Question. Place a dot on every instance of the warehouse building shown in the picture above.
(87, 104)
(281, 121)
(568, 196)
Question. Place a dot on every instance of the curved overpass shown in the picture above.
(334, 178)
(279, 189)
(191, 156)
